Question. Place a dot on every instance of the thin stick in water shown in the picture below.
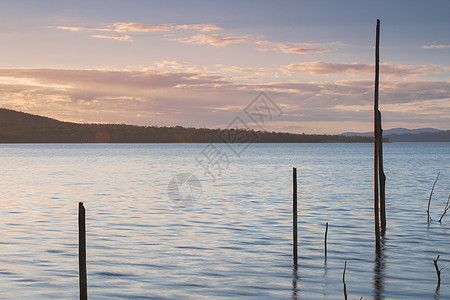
(343, 281)
(429, 199)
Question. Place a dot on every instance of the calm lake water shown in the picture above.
(235, 242)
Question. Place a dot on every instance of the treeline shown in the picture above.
(18, 127)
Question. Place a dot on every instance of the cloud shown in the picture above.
(214, 40)
(70, 28)
(304, 48)
(168, 65)
(436, 47)
(137, 27)
(286, 49)
(200, 99)
(117, 37)
(121, 27)
(357, 69)
(199, 27)
(201, 38)
(237, 69)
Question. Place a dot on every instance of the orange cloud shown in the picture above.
(286, 49)
(202, 100)
(137, 27)
(199, 27)
(305, 48)
(70, 28)
(214, 40)
(114, 37)
(436, 47)
(122, 27)
(354, 69)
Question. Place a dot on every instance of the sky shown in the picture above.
(201, 63)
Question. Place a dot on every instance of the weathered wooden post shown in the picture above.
(382, 179)
(377, 126)
(82, 250)
(294, 213)
(325, 240)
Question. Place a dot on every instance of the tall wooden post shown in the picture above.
(82, 250)
(382, 179)
(377, 125)
(294, 215)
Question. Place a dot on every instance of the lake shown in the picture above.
(235, 241)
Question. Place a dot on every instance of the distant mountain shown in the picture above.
(409, 135)
(439, 136)
(394, 131)
(16, 117)
(19, 127)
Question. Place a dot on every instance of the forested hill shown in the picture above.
(19, 127)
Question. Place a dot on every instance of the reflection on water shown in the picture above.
(236, 241)
(379, 272)
(295, 283)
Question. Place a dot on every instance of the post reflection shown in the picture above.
(295, 283)
(436, 293)
(379, 273)
(325, 268)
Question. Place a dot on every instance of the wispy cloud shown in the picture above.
(436, 47)
(168, 65)
(199, 27)
(300, 48)
(214, 40)
(286, 49)
(356, 69)
(118, 37)
(70, 28)
(201, 38)
(137, 27)
(122, 27)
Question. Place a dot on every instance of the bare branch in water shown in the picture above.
(429, 200)
(447, 207)
(438, 272)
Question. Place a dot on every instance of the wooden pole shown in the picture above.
(82, 250)
(376, 137)
(381, 175)
(294, 214)
(382, 180)
(325, 241)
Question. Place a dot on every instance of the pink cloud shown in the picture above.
(117, 37)
(204, 100)
(325, 68)
(137, 27)
(285, 49)
(436, 47)
(199, 27)
(71, 28)
(305, 48)
(214, 40)
(122, 27)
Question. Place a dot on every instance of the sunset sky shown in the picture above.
(199, 63)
